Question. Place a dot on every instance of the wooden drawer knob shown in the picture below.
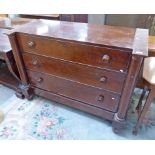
(35, 62)
(39, 80)
(106, 58)
(31, 44)
(103, 79)
(100, 98)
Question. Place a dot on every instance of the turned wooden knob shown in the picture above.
(31, 44)
(100, 98)
(35, 62)
(103, 79)
(39, 80)
(106, 58)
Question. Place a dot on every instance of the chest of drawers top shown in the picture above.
(102, 35)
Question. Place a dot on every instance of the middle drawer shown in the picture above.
(95, 77)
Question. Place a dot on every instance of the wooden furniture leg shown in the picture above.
(144, 110)
(120, 117)
(139, 106)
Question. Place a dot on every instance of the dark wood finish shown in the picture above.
(41, 16)
(131, 80)
(70, 89)
(75, 104)
(25, 88)
(63, 17)
(9, 74)
(82, 33)
(52, 55)
(83, 18)
(100, 78)
(71, 51)
(18, 58)
(139, 106)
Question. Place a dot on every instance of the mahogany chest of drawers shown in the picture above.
(90, 67)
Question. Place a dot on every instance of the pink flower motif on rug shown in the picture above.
(46, 124)
(8, 131)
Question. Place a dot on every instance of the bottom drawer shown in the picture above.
(75, 104)
(83, 93)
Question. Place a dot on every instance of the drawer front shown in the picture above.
(81, 53)
(100, 78)
(76, 91)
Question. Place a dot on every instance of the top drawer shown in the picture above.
(77, 52)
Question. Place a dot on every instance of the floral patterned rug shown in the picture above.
(41, 119)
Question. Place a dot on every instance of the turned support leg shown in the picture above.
(144, 111)
(118, 124)
(119, 119)
(139, 105)
(19, 93)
